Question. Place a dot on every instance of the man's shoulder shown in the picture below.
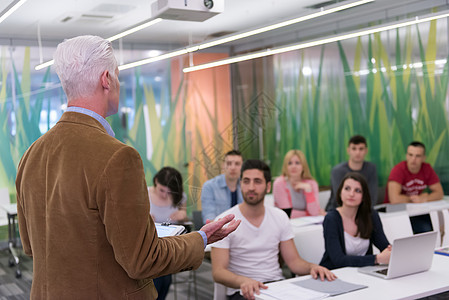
(399, 167)
(217, 180)
(369, 165)
(427, 167)
(233, 210)
(276, 213)
(341, 167)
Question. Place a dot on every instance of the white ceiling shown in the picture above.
(48, 15)
(117, 15)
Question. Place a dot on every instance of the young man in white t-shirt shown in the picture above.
(250, 256)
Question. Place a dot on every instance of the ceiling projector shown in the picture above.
(186, 10)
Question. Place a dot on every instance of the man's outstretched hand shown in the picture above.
(217, 230)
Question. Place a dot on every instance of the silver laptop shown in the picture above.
(409, 255)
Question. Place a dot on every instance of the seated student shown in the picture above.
(357, 150)
(409, 180)
(352, 228)
(223, 191)
(414, 181)
(167, 199)
(249, 257)
(167, 204)
(296, 192)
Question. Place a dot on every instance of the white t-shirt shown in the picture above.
(254, 251)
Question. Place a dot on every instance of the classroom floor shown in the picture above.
(12, 288)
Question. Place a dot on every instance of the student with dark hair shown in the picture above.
(223, 191)
(353, 228)
(167, 204)
(357, 150)
(249, 258)
(167, 200)
(410, 179)
(414, 181)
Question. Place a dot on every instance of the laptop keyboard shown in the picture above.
(383, 271)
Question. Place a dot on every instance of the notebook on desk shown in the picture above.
(164, 230)
(409, 255)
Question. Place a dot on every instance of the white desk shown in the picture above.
(415, 209)
(10, 208)
(306, 221)
(434, 281)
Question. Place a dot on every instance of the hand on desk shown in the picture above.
(384, 257)
(322, 272)
(216, 230)
(419, 198)
(250, 286)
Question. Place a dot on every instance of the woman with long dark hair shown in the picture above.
(167, 199)
(167, 204)
(353, 227)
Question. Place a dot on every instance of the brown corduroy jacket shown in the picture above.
(83, 214)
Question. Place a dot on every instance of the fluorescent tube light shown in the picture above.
(132, 30)
(153, 59)
(10, 9)
(44, 65)
(320, 13)
(238, 36)
(112, 38)
(318, 42)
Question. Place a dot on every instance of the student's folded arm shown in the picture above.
(313, 204)
(436, 192)
(394, 193)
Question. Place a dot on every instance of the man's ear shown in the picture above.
(268, 187)
(105, 80)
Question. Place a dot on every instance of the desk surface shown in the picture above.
(414, 209)
(10, 208)
(413, 286)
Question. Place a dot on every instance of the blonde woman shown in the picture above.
(296, 192)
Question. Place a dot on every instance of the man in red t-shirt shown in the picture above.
(409, 179)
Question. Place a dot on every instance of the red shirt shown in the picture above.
(412, 184)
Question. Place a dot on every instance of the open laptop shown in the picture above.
(409, 255)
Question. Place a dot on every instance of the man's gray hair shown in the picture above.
(79, 63)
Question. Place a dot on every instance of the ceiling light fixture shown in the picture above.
(112, 38)
(234, 37)
(10, 9)
(134, 29)
(320, 13)
(303, 45)
(153, 59)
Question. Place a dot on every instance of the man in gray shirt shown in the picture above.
(357, 151)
